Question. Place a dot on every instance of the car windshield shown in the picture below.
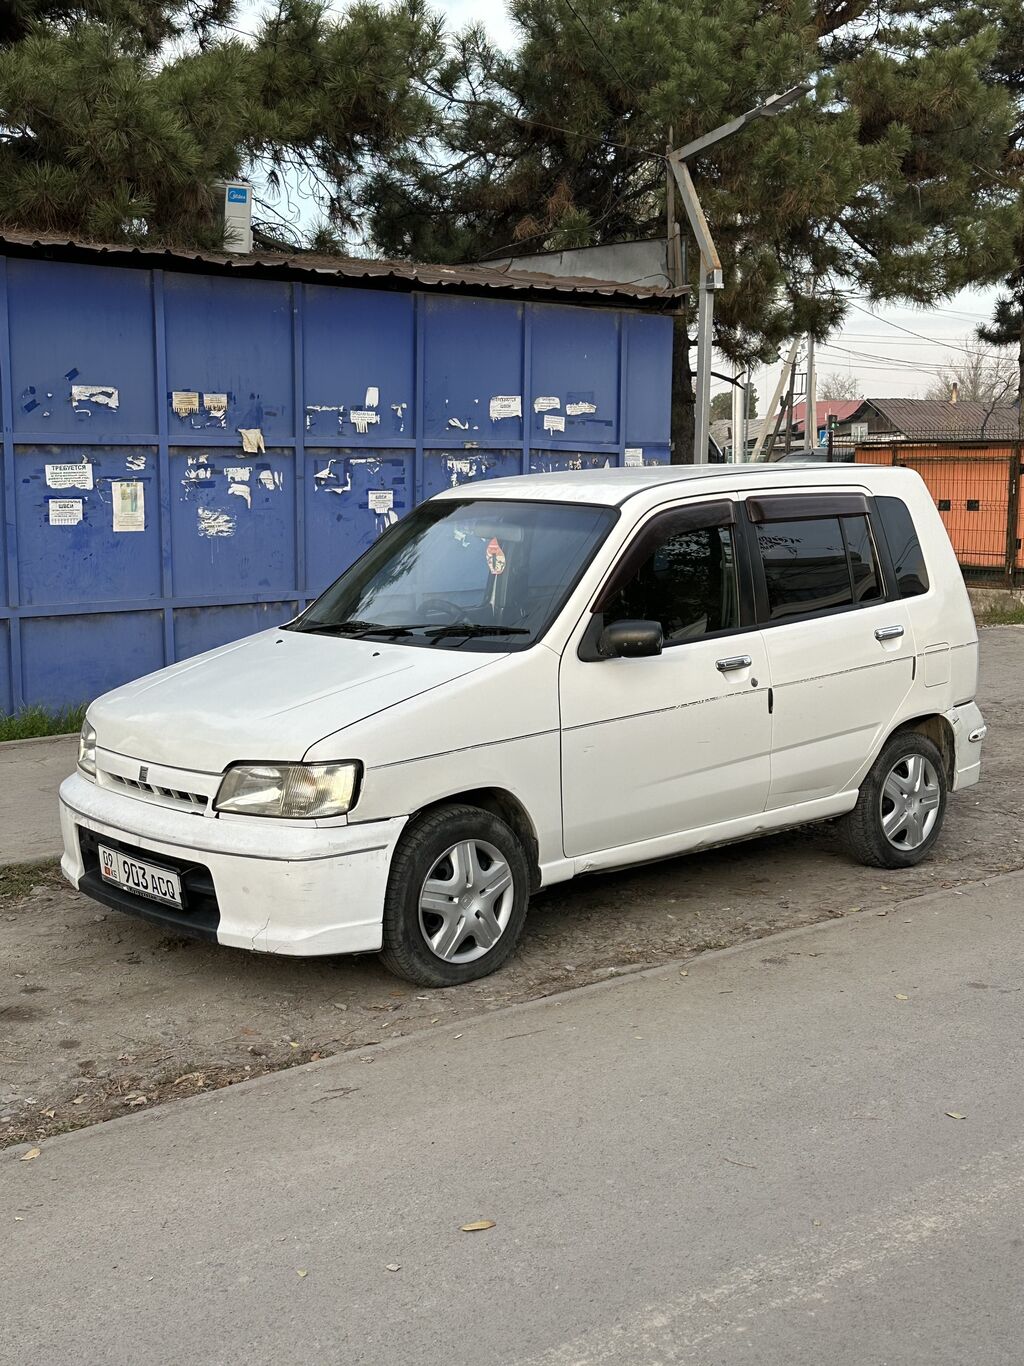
(480, 574)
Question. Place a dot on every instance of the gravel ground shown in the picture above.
(100, 1013)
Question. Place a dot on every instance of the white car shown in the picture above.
(533, 678)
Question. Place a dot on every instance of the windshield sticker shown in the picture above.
(495, 556)
(506, 405)
(381, 500)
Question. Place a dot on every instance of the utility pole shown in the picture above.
(811, 406)
(773, 403)
(711, 277)
(739, 417)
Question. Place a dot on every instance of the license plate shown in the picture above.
(143, 879)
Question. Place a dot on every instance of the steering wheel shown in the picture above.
(452, 613)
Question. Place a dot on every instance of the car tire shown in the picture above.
(457, 896)
(901, 806)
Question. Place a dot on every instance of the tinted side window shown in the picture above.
(904, 546)
(688, 583)
(805, 566)
(867, 581)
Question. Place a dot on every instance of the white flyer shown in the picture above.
(634, 455)
(65, 511)
(554, 422)
(381, 500)
(545, 405)
(129, 504)
(506, 405)
(580, 409)
(69, 476)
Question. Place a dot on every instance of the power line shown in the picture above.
(919, 335)
(586, 28)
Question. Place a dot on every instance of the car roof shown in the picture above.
(612, 487)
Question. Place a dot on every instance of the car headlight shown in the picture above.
(295, 791)
(87, 749)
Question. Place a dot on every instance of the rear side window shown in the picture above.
(817, 564)
(904, 546)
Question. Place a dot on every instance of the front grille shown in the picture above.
(193, 801)
(200, 914)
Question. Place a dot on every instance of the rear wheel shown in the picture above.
(901, 806)
(457, 897)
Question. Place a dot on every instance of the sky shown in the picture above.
(873, 346)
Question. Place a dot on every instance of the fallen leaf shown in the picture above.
(456, 1036)
(302, 1273)
(901, 997)
(392, 1266)
(50, 1114)
(78, 1100)
(953, 1114)
(340, 1005)
(292, 1043)
(27, 1157)
(684, 974)
(189, 1076)
(478, 1226)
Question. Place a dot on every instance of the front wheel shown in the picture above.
(901, 806)
(457, 896)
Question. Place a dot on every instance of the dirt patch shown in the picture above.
(101, 1014)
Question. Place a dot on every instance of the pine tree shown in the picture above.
(878, 182)
(118, 117)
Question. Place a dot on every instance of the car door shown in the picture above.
(840, 640)
(656, 746)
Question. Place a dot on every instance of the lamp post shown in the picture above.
(710, 264)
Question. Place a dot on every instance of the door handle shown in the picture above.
(889, 633)
(725, 666)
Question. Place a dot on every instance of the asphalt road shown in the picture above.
(749, 1163)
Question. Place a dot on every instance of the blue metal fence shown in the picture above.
(137, 529)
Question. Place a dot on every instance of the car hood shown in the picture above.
(269, 696)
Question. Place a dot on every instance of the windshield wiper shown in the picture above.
(353, 628)
(468, 628)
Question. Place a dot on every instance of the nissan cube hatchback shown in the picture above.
(529, 679)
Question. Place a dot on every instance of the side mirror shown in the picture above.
(631, 640)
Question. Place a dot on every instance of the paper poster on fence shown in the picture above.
(634, 455)
(381, 500)
(65, 511)
(129, 504)
(77, 476)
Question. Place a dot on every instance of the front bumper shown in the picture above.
(302, 890)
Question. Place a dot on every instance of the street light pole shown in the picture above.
(711, 277)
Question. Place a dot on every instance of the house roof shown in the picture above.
(933, 419)
(842, 408)
(395, 275)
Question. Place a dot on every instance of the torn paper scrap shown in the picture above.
(361, 418)
(271, 479)
(104, 395)
(243, 491)
(184, 402)
(216, 406)
(312, 409)
(238, 472)
(135, 462)
(634, 455)
(545, 405)
(129, 504)
(252, 440)
(65, 511)
(69, 476)
(457, 422)
(372, 398)
(554, 422)
(578, 409)
(381, 500)
(506, 405)
(212, 523)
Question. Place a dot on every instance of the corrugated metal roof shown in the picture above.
(928, 419)
(367, 273)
